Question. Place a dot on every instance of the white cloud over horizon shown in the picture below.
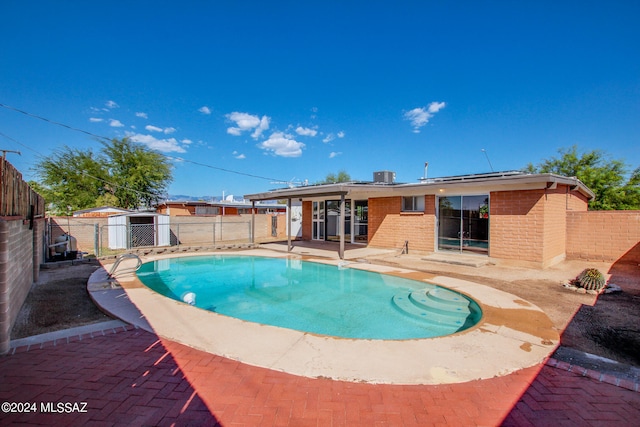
(283, 145)
(151, 128)
(170, 145)
(306, 131)
(330, 137)
(420, 116)
(246, 122)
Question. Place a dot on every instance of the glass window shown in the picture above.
(413, 204)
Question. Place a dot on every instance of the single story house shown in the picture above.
(508, 216)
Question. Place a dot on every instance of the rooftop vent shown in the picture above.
(384, 177)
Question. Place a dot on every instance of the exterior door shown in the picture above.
(463, 224)
(317, 222)
(360, 221)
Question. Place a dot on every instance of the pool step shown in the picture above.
(436, 306)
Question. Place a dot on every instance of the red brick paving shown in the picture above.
(132, 378)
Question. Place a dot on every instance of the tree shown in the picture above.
(332, 178)
(67, 180)
(139, 176)
(605, 177)
(124, 174)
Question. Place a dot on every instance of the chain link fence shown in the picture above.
(114, 239)
(97, 237)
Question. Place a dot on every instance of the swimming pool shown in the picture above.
(312, 297)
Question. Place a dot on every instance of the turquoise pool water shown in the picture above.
(312, 297)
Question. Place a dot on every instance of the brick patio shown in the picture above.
(130, 377)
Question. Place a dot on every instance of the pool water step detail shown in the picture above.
(438, 306)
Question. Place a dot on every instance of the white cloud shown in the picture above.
(238, 155)
(170, 145)
(306, 131)
(334, 154)
(421, 116)
(115, 123)
(264, 125)
(95, 119)
(111, 104)
(246, 122)
(152, 128)
(283, 145)
(330, 137)
(187, 141)
(205, 110)
(142, 115)
(434, 107)
(340, 134)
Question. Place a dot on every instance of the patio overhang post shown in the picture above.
(289, 246)
(341, 226)
(253, 221)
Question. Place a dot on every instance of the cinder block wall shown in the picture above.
(82, 228)
(389, 227)
(20, 256)
(604, 236)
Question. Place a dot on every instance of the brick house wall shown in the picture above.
(515, 225)
(530, 226)
(604, 236)
(389, 227)
(307, 220)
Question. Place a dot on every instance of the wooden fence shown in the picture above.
(17, 198)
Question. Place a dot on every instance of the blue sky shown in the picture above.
(294, 90)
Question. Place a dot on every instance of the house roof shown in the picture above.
(101, 209)
(462, 184)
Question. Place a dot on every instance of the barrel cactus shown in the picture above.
(591, 279)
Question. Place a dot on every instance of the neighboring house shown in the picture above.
(100, 212)
(202, 208)
(509, 216)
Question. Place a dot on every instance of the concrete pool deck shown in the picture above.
(512, 335)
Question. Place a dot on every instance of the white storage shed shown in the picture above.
(138, 229)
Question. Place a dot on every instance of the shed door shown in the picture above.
(117, 230)
(164, 230)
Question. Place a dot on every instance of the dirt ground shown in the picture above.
(607, 326)
(59, 300)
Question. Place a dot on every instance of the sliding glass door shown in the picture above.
(318, 221)
(463, 224)
(326, 220)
